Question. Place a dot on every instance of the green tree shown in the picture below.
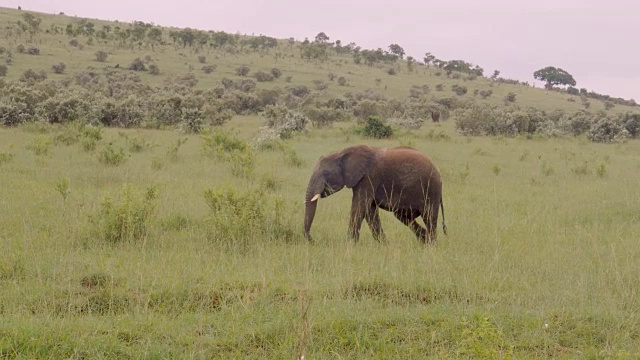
(396, 50)
(428, 58)
(322, 37)
(554, 76)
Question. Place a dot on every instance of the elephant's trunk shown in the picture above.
(315, 188)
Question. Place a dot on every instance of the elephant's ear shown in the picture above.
(357, 161)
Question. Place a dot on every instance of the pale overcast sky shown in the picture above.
(596, 41)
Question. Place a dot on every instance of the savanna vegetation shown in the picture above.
(151, 187)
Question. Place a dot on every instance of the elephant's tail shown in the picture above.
(444, 226)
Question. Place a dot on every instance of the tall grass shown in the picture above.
(537, 264)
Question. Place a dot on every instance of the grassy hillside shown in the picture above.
(175, 60)
(154, 243)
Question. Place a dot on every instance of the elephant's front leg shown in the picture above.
(373, 219)
(358, 212)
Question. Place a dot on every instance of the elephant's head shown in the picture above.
(333, 172)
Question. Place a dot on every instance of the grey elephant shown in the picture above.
(400, 180)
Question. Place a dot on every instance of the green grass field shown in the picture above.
(540, 262)
(111, 247)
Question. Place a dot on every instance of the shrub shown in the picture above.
(20, 49)
(30, 76)
(40, 145)
(375, 128)
(459, 90)
(263, 76)
(485, 93)
(284, 121)
(59, 68)
(112, 157)
(607, 130)
(342, 81)
(101, 56)
(241, 218)
(63, 107)
(320, 85)
(324, 116)
(510, 97)
(192, 120)
(577, 123)
(74, 42)
(126, 219)
(202, 59)
(154, 69)
(299, 90)
(243, 70)
(33, 51)
(229, 148)
(3, 70)
(276, 73)
(137, 65)
(208, 69)
(632, 124)
(241, 102)
(13, 113)
(608, 105)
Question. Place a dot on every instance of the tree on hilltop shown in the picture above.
(322, 37)
(554, 76)
(396, 50)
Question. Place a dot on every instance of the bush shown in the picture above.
(608, 105)
(243, 70)
(242, 218)
(607, 130)
(631, 123)
(342, 81)
(3, 70)
(320, 85)
(510, 97)
(228, 148)
(33, 51)
(154, 69)
(112, 157)
(59, 68)
(283, 121)
(101, 56)
(324, 116)
(485, 93)
(299, 90)
(192, 120)
(74, 42)
(208, 69)
(263, 76)
(137, 65)
(459, 90)
(30, 76)
(276, 73)
(375, 128)
(202, 59)
(126, 219)
(439, 87)
(20, 49)
(577, 123)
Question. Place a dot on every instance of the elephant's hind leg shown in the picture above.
(373, 219)
(430, 217)
(408, 217)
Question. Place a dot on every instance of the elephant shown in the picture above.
(399, 179)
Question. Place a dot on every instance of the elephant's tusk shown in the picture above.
(314, 198)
